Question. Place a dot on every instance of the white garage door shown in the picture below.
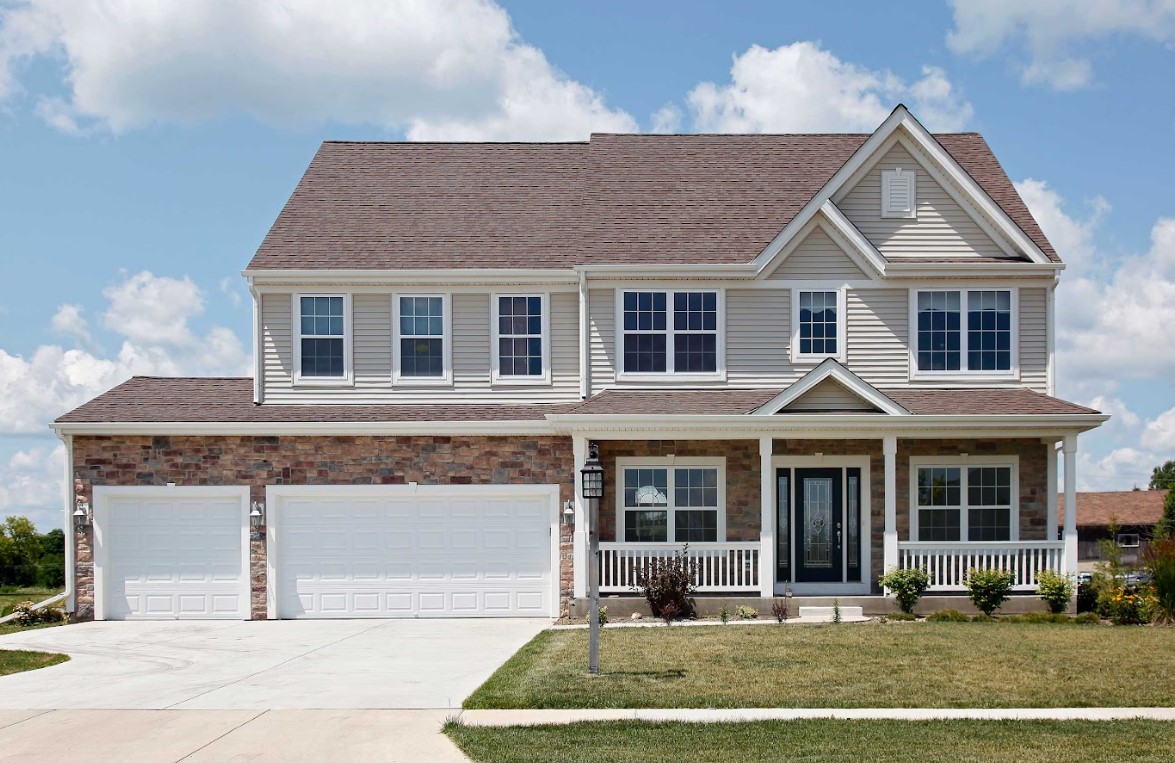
(401, 551)
(167, 553)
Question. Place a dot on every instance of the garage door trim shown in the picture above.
(102, 496)
(274, 493)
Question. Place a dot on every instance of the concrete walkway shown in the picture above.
(204, 736)
(544, 717)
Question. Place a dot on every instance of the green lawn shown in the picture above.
(890, 665)
(822, 740)
(25, 594)
(18, 661)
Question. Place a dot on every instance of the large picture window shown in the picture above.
(964, 331)
(520, 338)
(670, 332)
(964, 501)
(421, 325)
(322, 336)
(678, 503)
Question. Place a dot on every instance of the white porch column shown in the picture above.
(889, 446)
(766, 520)
(1069, 448)
(1051, 483)
(579, 554)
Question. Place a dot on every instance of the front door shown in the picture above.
(819, 525)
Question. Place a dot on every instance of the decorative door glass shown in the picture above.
(818, 522)
(853, 524)
(782, 534)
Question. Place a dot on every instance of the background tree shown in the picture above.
(1166, 526)
(28, 558)
(1163, 477)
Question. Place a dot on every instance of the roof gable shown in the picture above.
(837, 388)
(829, 248)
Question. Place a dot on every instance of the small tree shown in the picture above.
(1055, 590)
(1163, 477)
(668, 581)
(907, 586)
(989, 589)
(1166, 526)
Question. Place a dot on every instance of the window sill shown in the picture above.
(969, 377)
(522, 381)
(817, 359)
(412, 381)
(324, 382)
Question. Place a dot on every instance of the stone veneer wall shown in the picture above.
(306, 460)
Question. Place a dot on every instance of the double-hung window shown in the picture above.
(964, 499)
(422, 339)
(323, 337)
(671, 332)
(520, 345)
(965, 332)
(680, 503)
(818, 320)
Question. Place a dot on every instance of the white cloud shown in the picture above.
(1159, 433)
(68, 320)
(666, 119)
(438, 69)
(1048, 32)
(152, 316)
(803, 88)
(32, 485)
(228, 287)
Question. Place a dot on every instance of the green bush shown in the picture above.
(666, 581)
(1160, 562)
(602, 615)
(26, 615)
(746, 613)
(1055, 590)
(1130, 606)
(724, 614)
(989, 589)
(1087, 618)
(901, 617)
(907, 586)
(948, 616)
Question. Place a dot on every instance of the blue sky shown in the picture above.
(143, 156)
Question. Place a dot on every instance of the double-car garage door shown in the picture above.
(332, 552)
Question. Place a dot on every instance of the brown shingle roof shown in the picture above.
(620, 199)
(982, 402)
(230, 400)
(1131, 507)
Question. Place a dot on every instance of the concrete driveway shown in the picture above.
(264, 665)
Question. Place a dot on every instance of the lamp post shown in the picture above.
(592, 489)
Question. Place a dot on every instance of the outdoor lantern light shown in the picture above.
(592, 474)
(81, 514)
(257, 515)
(569, 512)
(592, 487)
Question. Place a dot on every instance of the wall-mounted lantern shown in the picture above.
(82, 515)
(257, 515)
(569, 513)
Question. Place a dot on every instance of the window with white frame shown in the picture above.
(980, 343)
(961, 501)
(421, 335)
(819, 324)
(520, 337)
(678, 503)
(1128, 540)
(322, 341)
(670, 332)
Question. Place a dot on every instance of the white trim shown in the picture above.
(445, 379)
(585, 339)
(767, 517)
(889, 540)
(102, 496)
(389, 278)
(847, 237)
(669, 375)
(962, 462)
(964, 375)
(887, 176)
(830, 368)
(1051, 485)
(670, 463)
(496, 378)
(579, 538)
(1051, 338)
(348, 377)
(274, 494)
(258, 348)
(862, 462)
(800, 358)
(68, 527)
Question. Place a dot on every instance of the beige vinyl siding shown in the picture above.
(941, 229)
(1034, 353)
(372, 355)
(818, 257)
(601, 338)
(877, 324)
(828, 395)
(758, 334)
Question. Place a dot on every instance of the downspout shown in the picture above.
(1051, 336)
(257, 355)
(70, 535)
(585, 384)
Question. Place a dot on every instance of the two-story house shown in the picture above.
(811, 358)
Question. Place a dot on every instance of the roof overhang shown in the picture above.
(500, 428)
(446, 276)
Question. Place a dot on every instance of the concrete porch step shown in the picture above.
(826, 613)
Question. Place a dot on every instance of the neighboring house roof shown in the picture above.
(1129, 507)
(618, 199)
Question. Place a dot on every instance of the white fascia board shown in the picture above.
(830, 368)
(431, 275)
(674, 271)
(990, 270)
(316, 428)
(866, 253)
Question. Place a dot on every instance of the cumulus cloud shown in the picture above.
(803, 88)
(1051, 36)
(68, 320)
(437, 69)
(31, 485)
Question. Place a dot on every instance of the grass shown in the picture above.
(11, 627)
(894, 665)
(821, 740)
(18, 661)
(24, 594)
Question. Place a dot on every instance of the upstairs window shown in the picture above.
(898, 193)
(422, 328)
(982, 343)
(670, 332)
(520, 338)
(819, 325)
(955, 502)
(322, 340)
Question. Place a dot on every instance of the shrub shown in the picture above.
(836, 616)
(903, 617)
(1160, 562)
(1086, 598)
(907, 586)
(724, 614)
(602, 616)
(746, 613)
(1130, 606)
(668, 581)
(1087, 618)
(779, 609)
(1055, 590)
(26, 615)
(669, 612)
(948, 616)
(989, 589)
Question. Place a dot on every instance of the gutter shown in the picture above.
(70, 533)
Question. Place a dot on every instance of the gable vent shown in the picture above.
(897, 193)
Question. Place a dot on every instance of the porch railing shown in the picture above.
(948, 563)
(720, 566)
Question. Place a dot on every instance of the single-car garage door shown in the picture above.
(408, 551)
(171, 553)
